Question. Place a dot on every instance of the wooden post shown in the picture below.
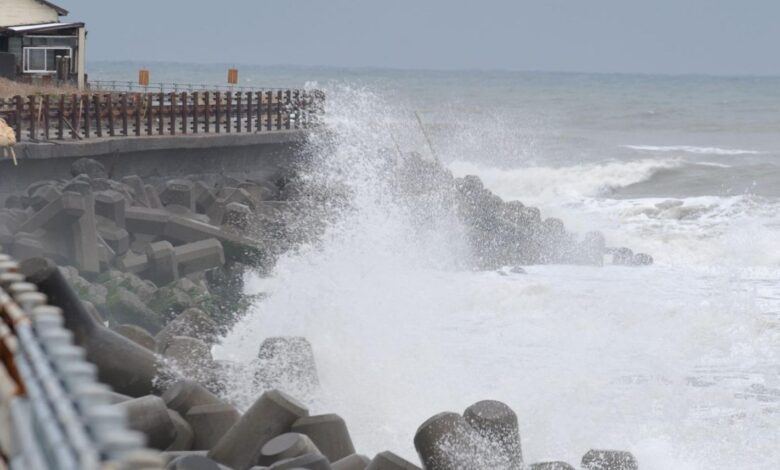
(184, 109)
(195, 114)
(218, 124)
(279, 110)
(110, 109)
(75, 118)
(268, 110)
(161, 114)
(249, 95)
(228, 110)
(61, 118)
(207, 111)
(31, 100)
(297, 107)
(46, 116)
(238, 112)
(174, 115)
(287, 108)
(87, 109)
(259, 111)
(136, 114)
(98, 115)
(124, 111)
(149, 113)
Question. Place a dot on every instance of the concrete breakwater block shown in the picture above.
(192, 462)
(446, 441)
(329, 433)
(138, 335)
(209, 423)
(191, 356)
(183, 395)
(184, 434)
(272, 414)
(389, 461)
(126, 366)
(286, 446)
(287, 362)
(550, 466)
(149, 416)
(351, 462)
(609, 460)
(192, 322)
(496, 423)
(308, 462)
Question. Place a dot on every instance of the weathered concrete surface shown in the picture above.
(257, 155)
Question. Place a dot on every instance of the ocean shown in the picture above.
(676, 362)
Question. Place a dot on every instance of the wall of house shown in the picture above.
(19, 12)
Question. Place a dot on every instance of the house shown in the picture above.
(35, 46)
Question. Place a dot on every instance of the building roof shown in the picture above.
(61, 11)
(39, 28)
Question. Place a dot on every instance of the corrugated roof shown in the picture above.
(29, 28)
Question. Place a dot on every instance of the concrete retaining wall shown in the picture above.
(249, 155)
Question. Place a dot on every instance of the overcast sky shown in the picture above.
(633, 36)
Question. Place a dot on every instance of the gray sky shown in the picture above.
(642, 36)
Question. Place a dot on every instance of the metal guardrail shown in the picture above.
(126, 114)
(54, 414)
(167, 87)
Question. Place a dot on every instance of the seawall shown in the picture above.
(259, 156)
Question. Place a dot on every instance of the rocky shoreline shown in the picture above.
(150, 276)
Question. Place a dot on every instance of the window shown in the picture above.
(44, 59)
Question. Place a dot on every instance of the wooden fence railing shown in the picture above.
(101, 114)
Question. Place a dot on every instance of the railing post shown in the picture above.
(61, 118)
(259, 111)
(98, 115)
(110, 109)
(137, 113)
(297, 108)
(278, 110)
(195, 113)
(173, 114)
(46, 116)
(161, 113)
(218, 124)
(238, 112)
(75, 116)
(124, 115)
(207, 111)
(19, 113)
(287, 108)
(87, 109)
(184, 112)
(249, 111)
(268, 110)
(228, 110)
(31, 100)
(149, 113)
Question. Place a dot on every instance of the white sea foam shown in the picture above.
(692, 149)
(676, 362)
(539, 184)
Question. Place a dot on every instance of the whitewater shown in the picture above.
(676, 362)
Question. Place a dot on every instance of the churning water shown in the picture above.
(677, 362)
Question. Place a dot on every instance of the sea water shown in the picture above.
(676, 362)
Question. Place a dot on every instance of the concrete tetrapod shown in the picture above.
(550, 466)
(308, 462)
(185, 394)
(389, 461)
(609, 460)
(286, 446)
(329, 433)
(149, 416)
(127, 367)
(272, 414)
(210, 422)
(497, 424)
(445, 442)
(192, 462)
(351, 462)
(184, 435)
